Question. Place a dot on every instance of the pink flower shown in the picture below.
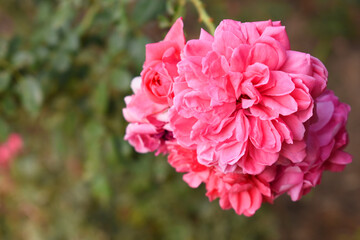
(325, 141)
(238, 111)
(10, 149)
(184, 160)
(15, 143)
(160, 69)
(139, 106)
(147, 130)
(242, 94)
(243, 193)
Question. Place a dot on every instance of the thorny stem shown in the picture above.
(204, 17)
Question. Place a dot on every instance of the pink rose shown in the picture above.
(145, 137)
(160, 69)
(148, 130)
(243, 94)
(184, 160)
(139, 106)
(325, 141)
(242, 192)
(238, 111)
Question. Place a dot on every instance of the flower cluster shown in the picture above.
(240, 112)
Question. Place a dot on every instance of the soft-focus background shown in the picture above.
(65, 67)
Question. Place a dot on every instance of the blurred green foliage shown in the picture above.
(65, 68)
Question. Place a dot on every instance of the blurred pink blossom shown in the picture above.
(10, 149)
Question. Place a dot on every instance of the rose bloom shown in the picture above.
(147, 131)
(324, 143)
(242, 94)
(184, 160)
(146, 110)
(242, 192)
(160, 69)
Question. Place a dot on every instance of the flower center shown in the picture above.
(156, 79)
(240, 102)
(242, 96)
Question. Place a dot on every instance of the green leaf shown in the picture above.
(146, 10)
(22, 59)
(4, 130)
(8, 105)
(101, 189)
(4, 80)
(116, 42)
(100, 98)
(137, 51)
(31, 94)
(3, 48)
(61, 61)
(71, 42)
(92, 136)
(120, 80)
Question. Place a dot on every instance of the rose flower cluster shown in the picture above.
(238, 111)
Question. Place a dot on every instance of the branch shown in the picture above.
(204, 17)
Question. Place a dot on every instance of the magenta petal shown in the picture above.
(295, 152)
(341, 158)
(291, 177)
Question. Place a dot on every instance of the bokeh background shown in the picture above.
(65, 68)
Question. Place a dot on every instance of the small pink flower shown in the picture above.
(184, 160)
(242, 192)
(160, 69)
(10, 149)
(139, 106)
(15, 143)
(147, 131)
(325, 141)
(242, 94)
